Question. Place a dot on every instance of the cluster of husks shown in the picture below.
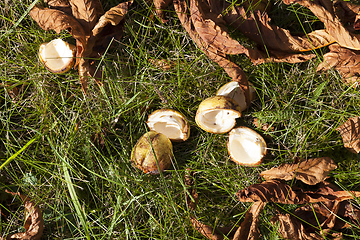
(218, 114)
(324, 209)
(153, 152)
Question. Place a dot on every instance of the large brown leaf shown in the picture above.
(329, 215)
(234, 71)
(279, 192)
(291, 228)
(211, 28)
(256, 26)
(350, 133)
(34, 223)
(346, 61)
(87, 13)
(62, 5)
(347, 12)
(311, 171)
(248, 229)
(324, 10)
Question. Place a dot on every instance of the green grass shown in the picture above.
(92, 192)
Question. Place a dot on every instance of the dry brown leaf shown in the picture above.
(62, 5)
(328, 214)
(279, 192)
(347, 12)
(248, 229)
(311, 171)
(291, 228)
(211, 28)
(234, 71)
(324, 10)
(92, 30)
(160, 6)
(346, 61)
(206, 230)
(256, 26)
(34, 223)
(350, 133)
(87, 13)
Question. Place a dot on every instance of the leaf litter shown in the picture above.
(324, 209)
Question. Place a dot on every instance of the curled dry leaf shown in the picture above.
(249, 227)
(92, 30)
(160, 5)
(206, 230)
(346, 61)
(279, 192)
(291, 228)
(350, 133)
(34, 223)
(274, 37)
(311, 171)
(324, 10)
(234, 71)
(329, 215)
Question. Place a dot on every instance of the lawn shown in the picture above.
(70, 152)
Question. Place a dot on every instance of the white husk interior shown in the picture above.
(246, 146)
(56, 54)
(218, 120)
(169, 125)
(233, 90)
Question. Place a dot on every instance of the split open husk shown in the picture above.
(57, 55)
(232, 89)
(217, 114)
(245, 146)
(142, 155)
(171, 123)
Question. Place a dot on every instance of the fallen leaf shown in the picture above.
(160, 6)
(92, 30)
(329, 215)
(206, 230)
(311, 171)
(279, 192)
(272, 36)
(350, 133)
(291, 228)
(346, 61)
(249, 227)
(34, 223)
(62, 5)
(347, 12)
(234, 71)
(325, 12)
